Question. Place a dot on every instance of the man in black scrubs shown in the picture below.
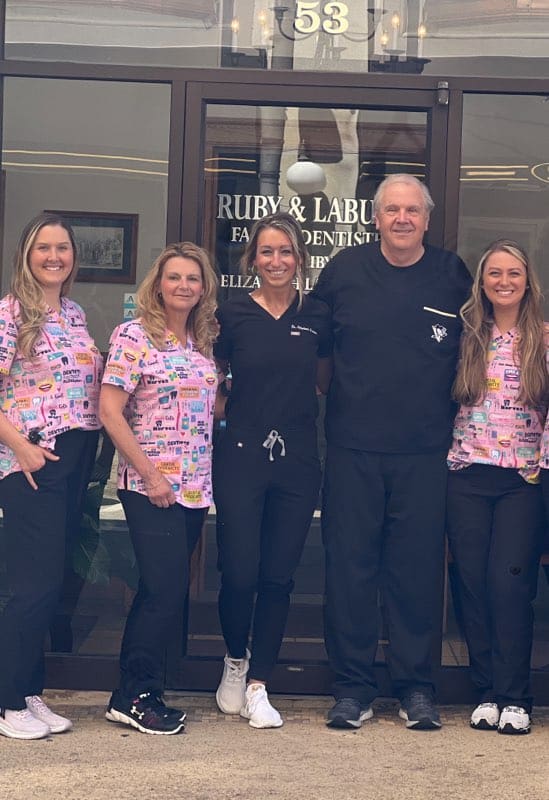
(395, 311)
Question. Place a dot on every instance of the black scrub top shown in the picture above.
(273, 362)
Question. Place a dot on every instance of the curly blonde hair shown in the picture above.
(477, 316)
(25, 288)
(201, 324)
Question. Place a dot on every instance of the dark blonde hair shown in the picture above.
(201, 325)
(284, 222)
(477, 316)
(26, 289)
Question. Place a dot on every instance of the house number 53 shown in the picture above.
(309, 20)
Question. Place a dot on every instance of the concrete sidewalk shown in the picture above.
(221, 757)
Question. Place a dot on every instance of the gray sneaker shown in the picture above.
(348, 713)
(418, 709)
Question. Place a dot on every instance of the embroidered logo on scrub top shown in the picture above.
(295, 330)
(439, 332)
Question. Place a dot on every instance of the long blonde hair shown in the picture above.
(477, 315)
(25, 288)
(201, 325)
(285, 223)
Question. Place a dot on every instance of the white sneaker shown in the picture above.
(231, 692)
(55, 722)
(485, 717)
(258, 709)
(514, 719)
(22, 725)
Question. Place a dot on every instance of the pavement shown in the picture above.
(222, 758)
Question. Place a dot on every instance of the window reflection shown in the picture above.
(403, 36)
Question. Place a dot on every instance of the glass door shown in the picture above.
(264, 149)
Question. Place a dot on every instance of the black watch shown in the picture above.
(35, 435)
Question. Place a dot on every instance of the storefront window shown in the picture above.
(504, 182)
(98, 151)
(404, 36)
(320, 164)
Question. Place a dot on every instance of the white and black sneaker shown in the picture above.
(419, 711)
(514, 720)
(485, 717)
(146, 712)
(347, 712)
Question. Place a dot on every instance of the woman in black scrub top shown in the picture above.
(276, 343)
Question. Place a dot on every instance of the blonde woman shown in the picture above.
(157, 404)
(50, 371)
(494, 512)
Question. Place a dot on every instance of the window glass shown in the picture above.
(98, 150)
(320, 164)
(504, 186)
(442, 37)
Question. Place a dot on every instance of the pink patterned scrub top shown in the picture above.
(170, 410)
(58, 388)
(499, 431)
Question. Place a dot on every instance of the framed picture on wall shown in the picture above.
(107, 245)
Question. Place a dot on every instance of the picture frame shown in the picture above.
(107, 245)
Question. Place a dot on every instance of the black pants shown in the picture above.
(383, 529)
(36, 523)
(163, 540)
(495, 528)
(264, 513)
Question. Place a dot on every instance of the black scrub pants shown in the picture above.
(264, 513)
(37, 524)
(383, 529)
(163, 540)
(495, 529)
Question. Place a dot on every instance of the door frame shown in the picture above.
(300, 676)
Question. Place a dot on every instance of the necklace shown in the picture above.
(275, 313)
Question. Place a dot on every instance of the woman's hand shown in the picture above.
(31, 458)
(159, 490)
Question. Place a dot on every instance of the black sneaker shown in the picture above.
(146, 712)
(348, 713)
(418, 709)
(174, 712)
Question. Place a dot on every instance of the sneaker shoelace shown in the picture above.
(236, 670)
(25, 715)
(257, 697)
(516, 710)
(154, 703)
(37, 704)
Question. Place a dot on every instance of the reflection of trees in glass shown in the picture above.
(101, 248)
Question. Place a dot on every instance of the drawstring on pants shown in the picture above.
(270, 442)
